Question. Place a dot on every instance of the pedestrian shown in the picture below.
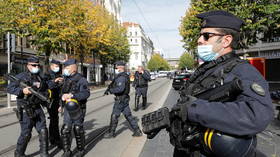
(54, 80)
(142, 77)
(74, 95)
(223, 123)
(120, 87)
(30, 113)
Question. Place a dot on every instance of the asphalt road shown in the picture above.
(268, 140)
(97, 119)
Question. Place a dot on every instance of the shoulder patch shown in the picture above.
(258, 89)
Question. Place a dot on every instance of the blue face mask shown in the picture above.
(56, 69)
(35, 70)
(205, 53)
(66, 72)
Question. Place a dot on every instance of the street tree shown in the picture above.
(186, 61)
(157, 63)
(261, 19)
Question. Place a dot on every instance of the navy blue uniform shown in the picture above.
(120, 88)
(30, 109)
(55, 88)
(141, 87)
(78, 86)
(247, 115)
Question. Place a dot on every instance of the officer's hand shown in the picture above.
(66, 96)
(181, 108)
(59, 79)
(26, 91)
(60, 109)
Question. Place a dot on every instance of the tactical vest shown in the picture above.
(127, 84)
(34, 81)
(140, 81)
(211, 74)
(71, 86)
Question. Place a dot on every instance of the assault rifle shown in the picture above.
(23, 85)
(109, 87)
(155, 121)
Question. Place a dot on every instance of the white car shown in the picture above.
(153, 76)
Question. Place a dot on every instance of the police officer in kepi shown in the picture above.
(74, 95)
(120, 87)
(29, 107)
(230, 126)
(142, 77)
(54, 80)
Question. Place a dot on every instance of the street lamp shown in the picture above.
(94, 51)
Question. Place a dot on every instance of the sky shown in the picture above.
(160, 20)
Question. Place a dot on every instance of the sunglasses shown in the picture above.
(35, 65)
(208, 35)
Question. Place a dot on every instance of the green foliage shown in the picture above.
(261, 17)
(158, 63)
(186, 61)
(66, 26)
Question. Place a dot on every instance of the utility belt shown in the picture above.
(121, 97)
(142, 86)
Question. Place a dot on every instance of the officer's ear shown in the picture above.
(227, 41)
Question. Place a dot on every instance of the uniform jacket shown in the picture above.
(249, 114)
(141, 80)
(32, 80)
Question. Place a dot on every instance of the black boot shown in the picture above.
(44, 143)
(133, 124)
(112, 127)
(136, 103)
(21, 147)
(137, 132)
(144, 103)
(80, 140)
(66, 140)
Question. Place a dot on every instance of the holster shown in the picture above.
(29, 111)
(19, 113)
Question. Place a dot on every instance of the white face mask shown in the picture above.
(206, 53)
(56, 69)
(117, 71)
(35, 70)
(66, 72)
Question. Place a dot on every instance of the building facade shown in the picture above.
(112, 6)
(141, 46)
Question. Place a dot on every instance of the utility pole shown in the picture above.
(9, 65)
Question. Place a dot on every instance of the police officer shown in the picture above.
(74, 95)
(29, 108)
(54, 80)
(248, 114)
(120, 87)
(142, 77)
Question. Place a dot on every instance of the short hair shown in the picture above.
(235, 35)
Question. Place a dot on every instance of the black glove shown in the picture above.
(181, 108)
(107, 92)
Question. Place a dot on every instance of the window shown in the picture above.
(130, 33)
(136, 55)
(135, 33)
(135, 40)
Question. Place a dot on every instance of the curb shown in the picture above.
(136, 145)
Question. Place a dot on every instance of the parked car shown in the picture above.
(162, 74)
(153, 76)
(179, 80)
